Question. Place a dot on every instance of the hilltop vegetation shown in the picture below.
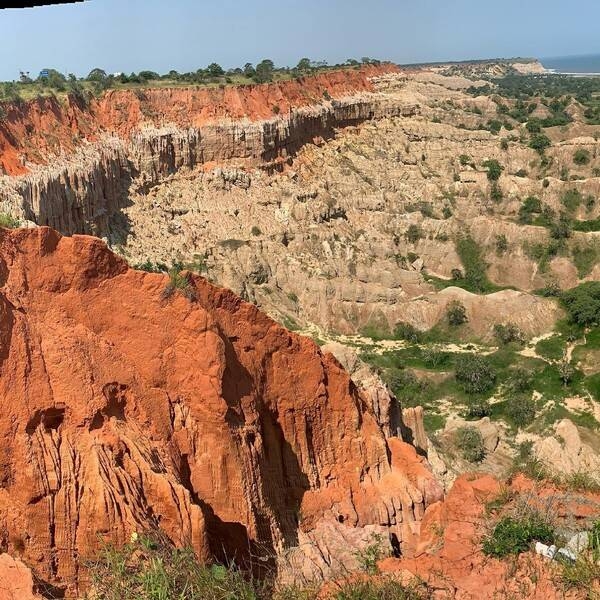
(53, 82)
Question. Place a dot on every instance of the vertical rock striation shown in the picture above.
(124, 411)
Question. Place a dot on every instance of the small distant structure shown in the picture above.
(44, 73)
(117, 74)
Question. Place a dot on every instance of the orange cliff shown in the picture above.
(124, 409)
(38, 130)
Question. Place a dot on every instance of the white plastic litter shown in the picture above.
(547, 551)
(568, 554)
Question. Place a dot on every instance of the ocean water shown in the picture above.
(589, 63)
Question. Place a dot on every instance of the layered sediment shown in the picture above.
(70, 166)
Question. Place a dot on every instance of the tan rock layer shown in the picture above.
(81, 193)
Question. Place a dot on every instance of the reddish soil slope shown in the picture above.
(45, 127)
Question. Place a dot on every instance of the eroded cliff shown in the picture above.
(125, 409)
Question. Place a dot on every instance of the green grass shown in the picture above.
(551, 348)
(585, 258)
(382, 588)
(475, 268)
(8, 221)
(150, 568)
(587, 226)
(592, 385)
(514, 535)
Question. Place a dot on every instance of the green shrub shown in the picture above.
(581, 157)
(464, 160)
(513, 535)
(414, 233)
(369, 556)
(255, 230)
(507, 333)
(501, 244)
(475, 373)
(496, 192)
(470, 443)
(519, 380)
(531, 205)
(406, 331)
(571, 199)
(587, 226)
(585, 258)
(534, 125)
(406, 386)
(8, 221)
(561, 229)
(434, 359)
(494, 169)
(456, 313)
(539, 142)
(151, 267)
(477, 408)
(178, 282)
(583, 303)
(581, 574)
(520, 410)
(475, 266)
(494, 126)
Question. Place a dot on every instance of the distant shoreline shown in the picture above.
(570, 74)
(573, 66)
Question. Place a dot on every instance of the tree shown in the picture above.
(508, 333)
(414, 233)
(97, 75)
(539, 142)
(215, 70)
(148, 75)
(561, 230)
(534, 125)
(583, 303)
(53, 79)
(249, 70)
(565, 369)
(456, 313)
(303, 65)
(475, 373)
(494, 169)
(264, 71)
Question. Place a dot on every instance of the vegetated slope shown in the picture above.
(131, 401)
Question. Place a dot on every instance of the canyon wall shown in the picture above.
(95, 153)
(126, 408)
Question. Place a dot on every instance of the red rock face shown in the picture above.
(16, 580)
(449, 556)
(123, 411)
(45, 127)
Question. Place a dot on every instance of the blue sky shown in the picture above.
(130, 35)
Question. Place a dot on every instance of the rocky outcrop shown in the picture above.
(449, 556)
(16, 580)
(125, 409)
